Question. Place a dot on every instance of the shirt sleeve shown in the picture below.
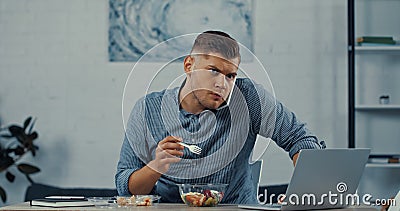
(281, 125)
(130, 157)
(290, 133)
(128, 163)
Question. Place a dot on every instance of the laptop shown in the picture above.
(322, 179)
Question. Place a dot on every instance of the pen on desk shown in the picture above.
(64, 197)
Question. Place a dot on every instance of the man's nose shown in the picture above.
(220, 81)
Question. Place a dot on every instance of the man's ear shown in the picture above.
(188, 64)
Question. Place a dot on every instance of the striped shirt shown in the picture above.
(226, 135)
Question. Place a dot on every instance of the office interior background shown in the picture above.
(54, 65)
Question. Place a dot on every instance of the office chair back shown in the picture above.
(256, 169)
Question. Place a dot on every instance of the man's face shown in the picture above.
(211, 78)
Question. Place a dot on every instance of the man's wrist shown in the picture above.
(153, 170)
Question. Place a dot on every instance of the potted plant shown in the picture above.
(15, 142)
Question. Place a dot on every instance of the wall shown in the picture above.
(54, 65)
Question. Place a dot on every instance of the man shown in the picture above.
(214, 110)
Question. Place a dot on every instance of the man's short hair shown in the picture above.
(216, 42)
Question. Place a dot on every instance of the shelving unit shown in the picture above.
(395, 48)
(376, 107)
(383, 165)
(374, 71)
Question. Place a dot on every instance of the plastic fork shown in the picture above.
(193, 148)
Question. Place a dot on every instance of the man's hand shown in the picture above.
(143, 180)
(168, 151)
(295, 158)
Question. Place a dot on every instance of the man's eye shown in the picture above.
(214, 71)
(230, 76)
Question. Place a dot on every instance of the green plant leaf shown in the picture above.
(29, 179)
(19, 150)
(27, 121)
(15, 129)
(6, 162)
(33, 136)
(31, 127)
(10, 177)
(17, 132)
(7, 136)
(27, 168)
(3, 194)
(28, 142)
(33, 151)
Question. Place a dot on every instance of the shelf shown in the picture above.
(377, 107)
(394, 48)
(383, 165)
(371, 57)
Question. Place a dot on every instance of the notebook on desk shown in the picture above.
(61, 202)
(320, 178)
